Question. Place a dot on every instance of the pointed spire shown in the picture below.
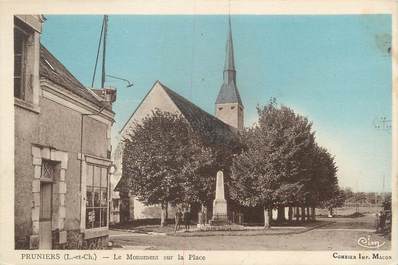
(229, 92)
(229, 58)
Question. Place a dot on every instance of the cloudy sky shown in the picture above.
(336, 70)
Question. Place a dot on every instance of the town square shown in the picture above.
(202, 132)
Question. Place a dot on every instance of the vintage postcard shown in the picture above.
(199, 132)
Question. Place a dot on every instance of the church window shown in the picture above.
(220, 108)
(232, 107)
(96, 196)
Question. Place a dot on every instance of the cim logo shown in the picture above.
(367, 242)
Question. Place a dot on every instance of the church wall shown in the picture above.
(143, 212)
(156, 98)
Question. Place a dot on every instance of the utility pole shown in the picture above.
(104, 51)
(102, 40)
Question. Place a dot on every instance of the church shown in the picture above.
(226, 123)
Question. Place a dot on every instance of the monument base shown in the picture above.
(228, 227)
(219, 222)
(220, 216)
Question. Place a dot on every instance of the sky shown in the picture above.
(335, 70)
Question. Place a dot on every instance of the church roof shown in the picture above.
(229, 91)
(211, 129)
(52, 69)
(229, 94)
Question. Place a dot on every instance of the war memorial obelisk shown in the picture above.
(220, 216)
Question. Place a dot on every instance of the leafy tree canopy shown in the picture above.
(281, 164)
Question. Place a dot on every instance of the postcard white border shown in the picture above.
(284, 7)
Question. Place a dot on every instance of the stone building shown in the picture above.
(62, 149)
(221, 128)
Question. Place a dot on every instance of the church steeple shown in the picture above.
(229, 94)
(229, 59)
(229, 91)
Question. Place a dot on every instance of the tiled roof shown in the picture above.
(55, 71)
(229, 94)
(211, 129)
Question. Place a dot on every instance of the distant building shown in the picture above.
(228, 120)
(62, 149)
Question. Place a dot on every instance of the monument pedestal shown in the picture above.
(220, 216)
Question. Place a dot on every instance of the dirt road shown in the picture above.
(343, 234)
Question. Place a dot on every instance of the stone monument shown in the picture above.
(220, 216)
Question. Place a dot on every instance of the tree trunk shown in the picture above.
(163, 215)
(308, 214)
(290, 214)
(303, 213)
(267, 222)
(281, 214)
(313, 218)
(297, 213)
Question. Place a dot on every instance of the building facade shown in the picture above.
(62, 149)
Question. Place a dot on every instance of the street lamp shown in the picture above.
(129, 84)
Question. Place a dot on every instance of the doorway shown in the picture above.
(45, 215)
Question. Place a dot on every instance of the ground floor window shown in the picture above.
(97, 196)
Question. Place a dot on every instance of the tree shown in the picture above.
(168, 160)
(154, 158)
(324, 183)
(275, 162)
(348, 193)
(336, 199)
(199, 171)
